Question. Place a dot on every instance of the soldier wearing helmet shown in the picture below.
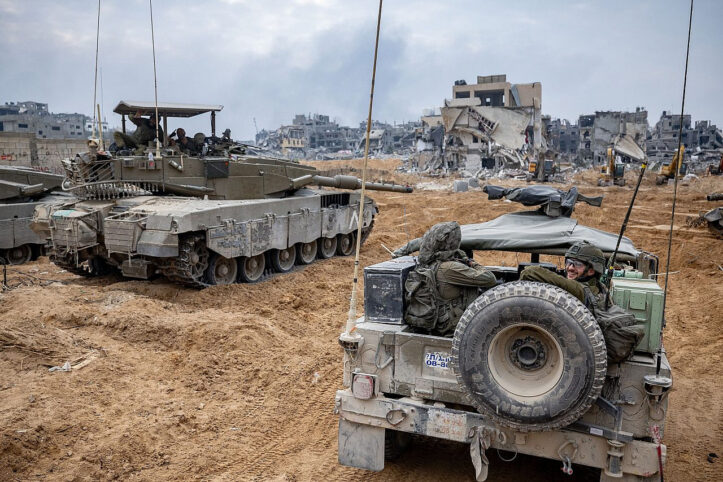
(584, 264)
(456, 278)
(144, 133)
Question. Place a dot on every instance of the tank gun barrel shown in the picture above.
(347, 182)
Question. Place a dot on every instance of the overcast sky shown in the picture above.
(269, 59)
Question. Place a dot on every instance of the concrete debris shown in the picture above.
(460, 186)
(64, 368)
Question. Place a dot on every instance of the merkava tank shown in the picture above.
(201, 220)
(21, 190)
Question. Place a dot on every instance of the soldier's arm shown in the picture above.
(544, 275)
(459, 274)
(408, 248)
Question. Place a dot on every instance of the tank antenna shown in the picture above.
(95, 82)
(351, 320)
(675, 190)
(155, 81)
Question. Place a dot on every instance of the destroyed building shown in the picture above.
(704, 139)
(562, 136)
(599, 131)
(429, 143)
(387, 138)
(491, 123)
(34, 118)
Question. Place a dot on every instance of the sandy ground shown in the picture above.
(238, 382)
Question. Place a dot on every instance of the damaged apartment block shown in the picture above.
(491, 124)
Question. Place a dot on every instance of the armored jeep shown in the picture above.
(526, 370)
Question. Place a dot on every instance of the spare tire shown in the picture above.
(530, 356)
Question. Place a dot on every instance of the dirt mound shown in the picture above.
(238, 382)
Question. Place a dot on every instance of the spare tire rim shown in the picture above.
(525, 360)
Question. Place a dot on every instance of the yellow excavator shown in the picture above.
(669, 170)
(612, 173)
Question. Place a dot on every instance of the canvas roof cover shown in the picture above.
(531, 231)
(170, 109)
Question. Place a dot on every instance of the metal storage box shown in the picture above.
(384, 290)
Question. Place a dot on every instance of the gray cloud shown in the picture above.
(273, 59)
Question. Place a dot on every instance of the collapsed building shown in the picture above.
(317, 137)
(487, 125)
(597, 132)
(704, 141)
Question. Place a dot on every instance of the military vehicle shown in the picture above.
(526, 370)
(21, 190)
(201, 220)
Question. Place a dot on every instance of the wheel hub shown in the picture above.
(223, 270)
(284, 255)
(528, 353)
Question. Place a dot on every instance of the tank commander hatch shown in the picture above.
(145, 132)
(584, 264)
(444, 282)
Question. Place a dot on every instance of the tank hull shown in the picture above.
(182, 238)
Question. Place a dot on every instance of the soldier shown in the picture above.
(185, 144)
(454, 278)
(584, 264)
(144, 133)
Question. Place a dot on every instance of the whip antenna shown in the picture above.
(95, 81)
(155, 81)
(675, 186)
(351, 320)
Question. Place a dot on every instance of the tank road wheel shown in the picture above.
(327, 247)
(306, 252)
(345, 244)
(221, 270)
(282, 260)
(530, 356)
(19, 254)
(251, 268)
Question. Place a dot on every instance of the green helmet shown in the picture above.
(588, 253)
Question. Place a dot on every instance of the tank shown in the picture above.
(21, 190)
(203, 220)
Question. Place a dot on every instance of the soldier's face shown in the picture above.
(576, 269)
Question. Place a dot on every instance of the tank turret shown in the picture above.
(98, 175)
(22, 189)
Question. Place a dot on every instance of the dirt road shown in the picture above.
(238, 382)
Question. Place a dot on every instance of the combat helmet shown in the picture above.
(588, 253)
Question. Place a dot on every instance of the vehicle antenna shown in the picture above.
(95, 81)
(675, 189)
(351, 320)
(155, 81)
(609, 274)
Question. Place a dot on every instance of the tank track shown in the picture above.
(181, 268)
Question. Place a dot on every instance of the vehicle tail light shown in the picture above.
(362, 386)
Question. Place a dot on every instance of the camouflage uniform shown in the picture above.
(574, 287)
(458, 278)
(144, 133)
(589, 290)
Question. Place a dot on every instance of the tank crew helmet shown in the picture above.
(587, 253)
